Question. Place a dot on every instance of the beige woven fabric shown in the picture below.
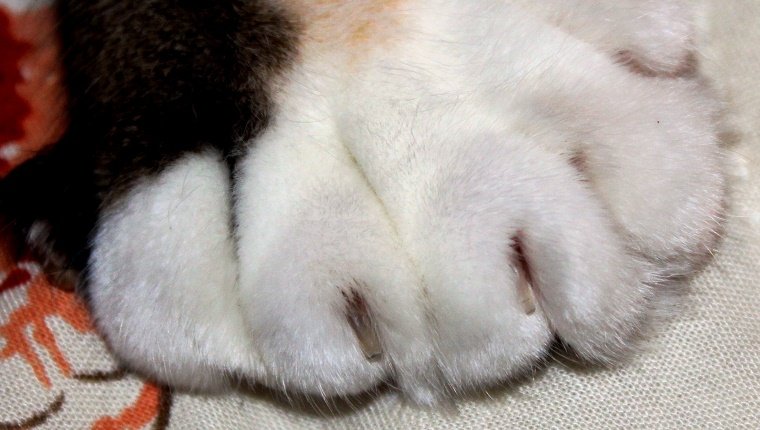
(702, 369)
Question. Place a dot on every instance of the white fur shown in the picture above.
(657, 33)
(309, 228)
(405, 172)
(163, 278)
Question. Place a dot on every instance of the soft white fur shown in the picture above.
(405, 176)
(163, 278)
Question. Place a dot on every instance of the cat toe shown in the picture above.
(162, 278)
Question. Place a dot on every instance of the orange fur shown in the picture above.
(357, 25)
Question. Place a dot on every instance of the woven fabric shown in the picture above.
(701, 369)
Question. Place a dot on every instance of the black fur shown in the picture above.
(147, 80)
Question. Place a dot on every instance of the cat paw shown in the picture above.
(519, 243)
(424, 221)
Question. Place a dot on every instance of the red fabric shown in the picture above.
(32, 100)
(32, 106)
(13, 108)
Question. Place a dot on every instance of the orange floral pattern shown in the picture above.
(43, 301)
(143, 411)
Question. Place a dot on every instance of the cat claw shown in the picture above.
(360, 320)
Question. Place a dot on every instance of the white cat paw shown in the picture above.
(434, 216)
